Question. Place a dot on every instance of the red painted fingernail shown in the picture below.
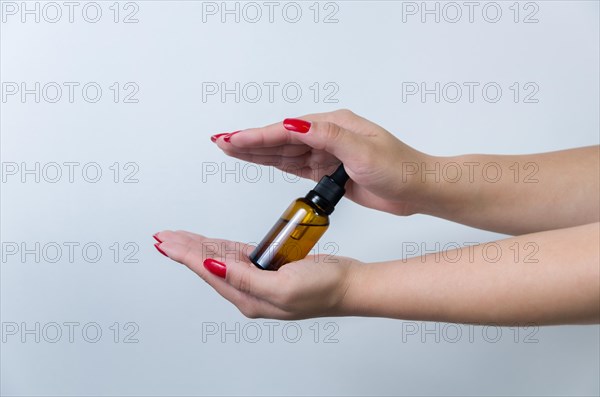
(159, 250)
(215, 267)
(228, 136)
(156, 237)
(296, 125)
(215, 137)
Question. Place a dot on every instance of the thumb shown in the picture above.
(350, 148)
(246, 278)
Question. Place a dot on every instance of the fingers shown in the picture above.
(176, 237)
(283, 143)
(212, 246)
(255, 292)
(288, 164)
(265, 288)
(192, 250)
(274, 139)
(270, 136)
(308, 166)
(248, 279)
(351, 148)
(291, 150)
(193, 258)
(273, 143)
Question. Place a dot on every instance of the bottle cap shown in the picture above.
(330, 190)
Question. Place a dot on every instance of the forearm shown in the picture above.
(489, 284)
(514, 194)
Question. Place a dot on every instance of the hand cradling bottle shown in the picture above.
(301, 225)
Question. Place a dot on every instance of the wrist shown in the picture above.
(358, 293)
(438, 186)
(420, 182)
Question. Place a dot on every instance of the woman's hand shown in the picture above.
(315, 144)
(316, 286)
(510, 194)
(556, 283)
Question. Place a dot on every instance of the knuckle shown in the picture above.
(242, 282)
(188, 255)
(344, 113)
(332, 131)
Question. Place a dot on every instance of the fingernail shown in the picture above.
(215, 267)
(215, 137)
(296, 125)
(228, 136)
(155, 236)
(159, 250)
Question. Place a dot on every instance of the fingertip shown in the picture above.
(227, 138)
(183, 254)
(215, 267)
(159, 249)
(216, 137)
(297, 125)
(164, 235)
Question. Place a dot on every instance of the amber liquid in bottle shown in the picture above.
(292, 237)
(301, 225)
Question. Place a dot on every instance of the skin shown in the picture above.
(548, 273)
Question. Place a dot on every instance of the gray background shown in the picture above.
(368, 53)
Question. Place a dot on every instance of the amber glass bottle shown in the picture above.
(301, 225)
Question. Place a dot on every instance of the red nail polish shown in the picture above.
(217, 136)
(156, 237)
(228, 136)
(215, 267)
(296, 125)
(159, 250)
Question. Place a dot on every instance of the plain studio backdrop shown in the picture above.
(106, 113)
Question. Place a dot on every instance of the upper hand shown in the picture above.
(372, 157)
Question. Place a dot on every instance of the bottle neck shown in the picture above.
(320, 202)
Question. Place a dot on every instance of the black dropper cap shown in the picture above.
(329, 190)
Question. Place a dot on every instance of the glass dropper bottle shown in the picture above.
(301, 225)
